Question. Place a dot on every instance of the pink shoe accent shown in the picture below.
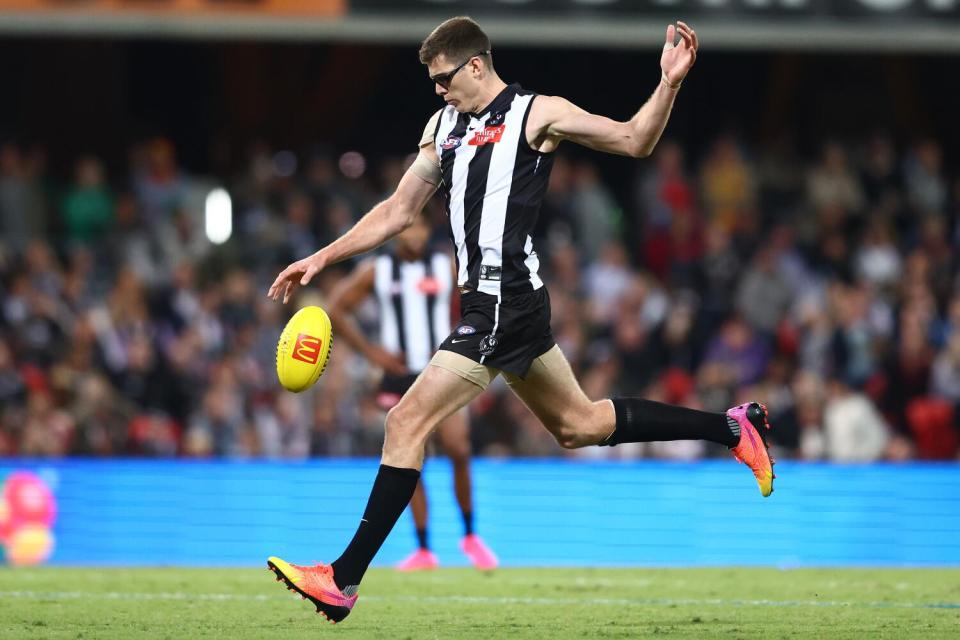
(316, 584)
(752, 448)
(419, 560)
(480, 554)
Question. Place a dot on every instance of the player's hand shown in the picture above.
(298, 274)
(677, 59)
(389, 362)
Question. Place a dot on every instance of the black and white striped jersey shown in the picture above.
(414, 302)
(493, 183)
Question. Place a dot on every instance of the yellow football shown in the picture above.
(304, 348)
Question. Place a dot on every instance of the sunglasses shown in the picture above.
(444, 79)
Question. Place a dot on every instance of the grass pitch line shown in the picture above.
(484, 600)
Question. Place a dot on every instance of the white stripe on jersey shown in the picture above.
(533, 263)
(499, 181)
(459, 188)
(441, 310)
(383, 286)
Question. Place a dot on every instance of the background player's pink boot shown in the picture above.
(419, 560)
(480, 554)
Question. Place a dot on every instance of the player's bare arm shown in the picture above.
(347, 295)
(381, 223)
(554, 119)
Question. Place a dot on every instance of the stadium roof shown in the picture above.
(753, 33)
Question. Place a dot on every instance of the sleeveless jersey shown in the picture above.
(414, 302)
(493, 183)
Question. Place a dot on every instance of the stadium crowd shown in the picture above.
(825, 286)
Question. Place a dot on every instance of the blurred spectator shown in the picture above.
(284, 431)
(23, 215)
(832, 183)
(728, 186)
(87, 207)
(595, 212)
(764, 294)
(926, 186)
(854, 429)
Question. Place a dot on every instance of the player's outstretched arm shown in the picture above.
(556, 119)
(381, 223)
(346, 296)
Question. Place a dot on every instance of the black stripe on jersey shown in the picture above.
(531, 175)
(397, 298)
(431, 300)
(477, 175)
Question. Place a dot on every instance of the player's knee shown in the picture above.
(566, 435)
(401, 429)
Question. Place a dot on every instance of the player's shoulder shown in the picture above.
(433, 124)
(547, 105)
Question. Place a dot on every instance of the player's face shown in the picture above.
(453, 80)
(413, 240)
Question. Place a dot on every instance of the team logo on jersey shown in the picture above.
(307, 349)
(488, 135)
(452, 142)
(487, 345)
(466, 330)
(429, 286)
(496, 119)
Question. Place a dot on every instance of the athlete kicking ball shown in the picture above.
(489, 150)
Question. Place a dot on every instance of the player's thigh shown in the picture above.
(554, 395)
(436, 394)
(453, 435)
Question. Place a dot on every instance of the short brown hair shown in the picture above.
(457, 39)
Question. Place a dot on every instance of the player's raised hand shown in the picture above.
(678, 57)
(298, 274)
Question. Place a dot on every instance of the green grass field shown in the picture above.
(513, 603)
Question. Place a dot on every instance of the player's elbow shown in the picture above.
(402, 211)
(641, 148)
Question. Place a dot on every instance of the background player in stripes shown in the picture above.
(489, 150)
(413, 287)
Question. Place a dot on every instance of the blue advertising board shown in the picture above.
(532, 513)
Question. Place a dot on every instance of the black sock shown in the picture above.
(648, 421)
(390, 495)
(422, 538)
(468, 522)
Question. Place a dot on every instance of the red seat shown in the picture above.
(931, 423)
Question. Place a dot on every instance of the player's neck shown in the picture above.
(488, 91)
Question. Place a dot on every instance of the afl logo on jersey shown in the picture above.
(452, 142)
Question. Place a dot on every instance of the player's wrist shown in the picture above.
(665, 80)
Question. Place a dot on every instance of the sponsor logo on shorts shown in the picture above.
(465, 330)
(455, 341)
(452, 142)
(307, 348)
(488, 345)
